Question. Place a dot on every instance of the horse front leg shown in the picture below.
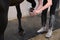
(33, 4)
(3, 23)
(19, 16)
(3, 20)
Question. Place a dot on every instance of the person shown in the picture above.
(46, 4)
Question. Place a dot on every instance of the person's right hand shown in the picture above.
(32, 14)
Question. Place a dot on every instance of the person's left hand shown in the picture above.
(36, 12)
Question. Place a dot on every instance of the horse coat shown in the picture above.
(14, 2)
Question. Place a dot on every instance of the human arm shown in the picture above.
(38, 10)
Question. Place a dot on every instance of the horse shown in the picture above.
(4, 6)
(17, 3)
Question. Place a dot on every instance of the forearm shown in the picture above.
(39, 4)
(48, 4)
(38, 10)
(45, 6)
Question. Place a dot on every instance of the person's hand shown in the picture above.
(36, 12)
(32, 14)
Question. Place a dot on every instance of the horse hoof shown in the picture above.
(21, 33)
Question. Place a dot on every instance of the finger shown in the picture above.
(31, 14)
